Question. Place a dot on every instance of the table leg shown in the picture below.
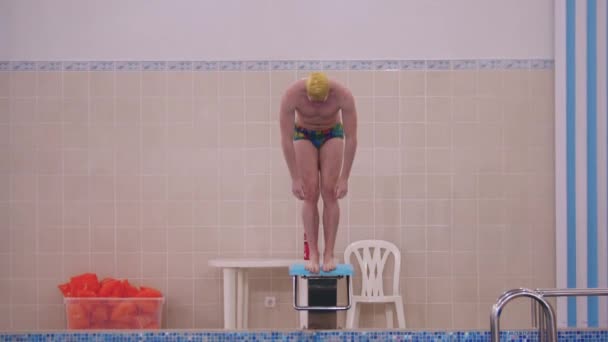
(239, 297)
(245, 299)
(229, 298)
(303, 301)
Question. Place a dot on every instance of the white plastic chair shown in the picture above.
(372, 256)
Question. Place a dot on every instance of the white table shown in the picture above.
(236, 286)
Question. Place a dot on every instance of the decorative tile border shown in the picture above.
(464, 65)
(128, 66)
(76, 66)
(386, 65)
(267, 65)
(306, 335)
(309, 65)
(257, 65)
(335, 65)
(179, 66)
(49, 66)
(153, 66)
(205, 66)
(413, 65)
(439, 65)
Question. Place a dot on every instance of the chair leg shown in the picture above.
(357, 316)
(351, 315)
(400, 313)
(388, 311)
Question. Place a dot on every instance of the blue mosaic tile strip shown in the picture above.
(303, 335)
(335, 65)
(283, 65)
(23, 66)
(257, 65)
(263, 65)
(179, 66)
(413, 65)
(360, 65)
(489, 64)
(231, 65)
(438, 65)
(309, 65)
(205, 66)
(469, 64)
(515, 64)
(102, 66)
(386, 65)
(128, 66)
(542, 64)
(48, 66)
(76, 66)
(153, 66)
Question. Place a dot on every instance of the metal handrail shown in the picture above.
(565, 293)
(547, 329)
(515, 293)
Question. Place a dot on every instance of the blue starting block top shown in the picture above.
(341, 270)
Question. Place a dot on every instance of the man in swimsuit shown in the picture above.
(319, 146)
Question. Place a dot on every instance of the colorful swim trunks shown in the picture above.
(318, 137)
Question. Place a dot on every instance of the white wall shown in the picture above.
(274, 29)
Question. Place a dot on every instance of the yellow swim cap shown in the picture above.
(317, 86)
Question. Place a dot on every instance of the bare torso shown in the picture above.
(316, 115)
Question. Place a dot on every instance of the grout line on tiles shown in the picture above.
(193, 225)
(245, 227)
(140, 178)
(400, 180)
(269, 173)
(451, 198)
(476, 173)
(217, 274)
(10, 204)
(89, 168)
(36, 213)
(374, 178)
(426, 192)
(63, 271)
(165, 95)
(218, 202)
(114, 172)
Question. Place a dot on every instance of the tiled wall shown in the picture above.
(147, 170)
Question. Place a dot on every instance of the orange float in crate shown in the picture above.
(114, 313)
(110, 304)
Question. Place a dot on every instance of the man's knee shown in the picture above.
(329, 194)
(311, 191)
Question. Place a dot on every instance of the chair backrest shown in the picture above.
(372, 256)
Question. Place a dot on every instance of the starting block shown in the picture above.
(297, 271)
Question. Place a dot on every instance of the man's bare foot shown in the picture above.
(312, 265)
(329, 263)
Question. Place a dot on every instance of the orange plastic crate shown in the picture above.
(114, 313)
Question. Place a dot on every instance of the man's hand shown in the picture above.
(297, 188)
(341, 188)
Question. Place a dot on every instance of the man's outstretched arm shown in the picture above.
(286, 122)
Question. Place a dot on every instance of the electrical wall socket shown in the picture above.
(270, 301)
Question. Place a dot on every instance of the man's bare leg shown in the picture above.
(331, 218)
(307, 159)
(331, 156)
(310, 219)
